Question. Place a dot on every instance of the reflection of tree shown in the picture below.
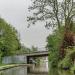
(62, 72)
(1, 73)
(54, 71)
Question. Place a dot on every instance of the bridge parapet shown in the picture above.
(35, 53)
(38, 54)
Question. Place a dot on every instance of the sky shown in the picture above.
(15, 12)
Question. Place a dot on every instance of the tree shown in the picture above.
(53, 43)
(23, 49)
(9, 41)
(34, 49)
(55, 13)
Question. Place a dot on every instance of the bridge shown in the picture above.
(38, 54)
(27, 58)
(35, 55)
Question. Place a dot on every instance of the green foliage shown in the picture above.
(53, 58)
(73, 69)
(54, 41)
(34, 49)
(73, 29)
(23, 50)
(9, 41)
(66, 62)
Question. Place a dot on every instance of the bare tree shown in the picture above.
(53, 12)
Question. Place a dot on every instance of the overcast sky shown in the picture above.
(15, 13)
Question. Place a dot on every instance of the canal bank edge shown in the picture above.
(4, 67)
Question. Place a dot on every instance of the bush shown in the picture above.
(65, 63)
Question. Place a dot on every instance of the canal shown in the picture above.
(55, 71)
(42, 70)
(22, 70)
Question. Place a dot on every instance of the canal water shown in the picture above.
(22, 70)
(42, 69)
(60, 72)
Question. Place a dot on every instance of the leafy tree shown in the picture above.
(34, 49)
(9, 41)
(23, 49)
(53, 42)
(53, 45)
(55, 13)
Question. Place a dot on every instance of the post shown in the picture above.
(28, 68)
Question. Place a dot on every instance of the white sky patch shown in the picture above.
(15, 12)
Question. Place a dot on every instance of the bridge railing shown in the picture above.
(31, 52)
(37, 52)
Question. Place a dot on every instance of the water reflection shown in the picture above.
(65, 72)
(54, 72)
(15, 71)
(23, 71)
(60, 72)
